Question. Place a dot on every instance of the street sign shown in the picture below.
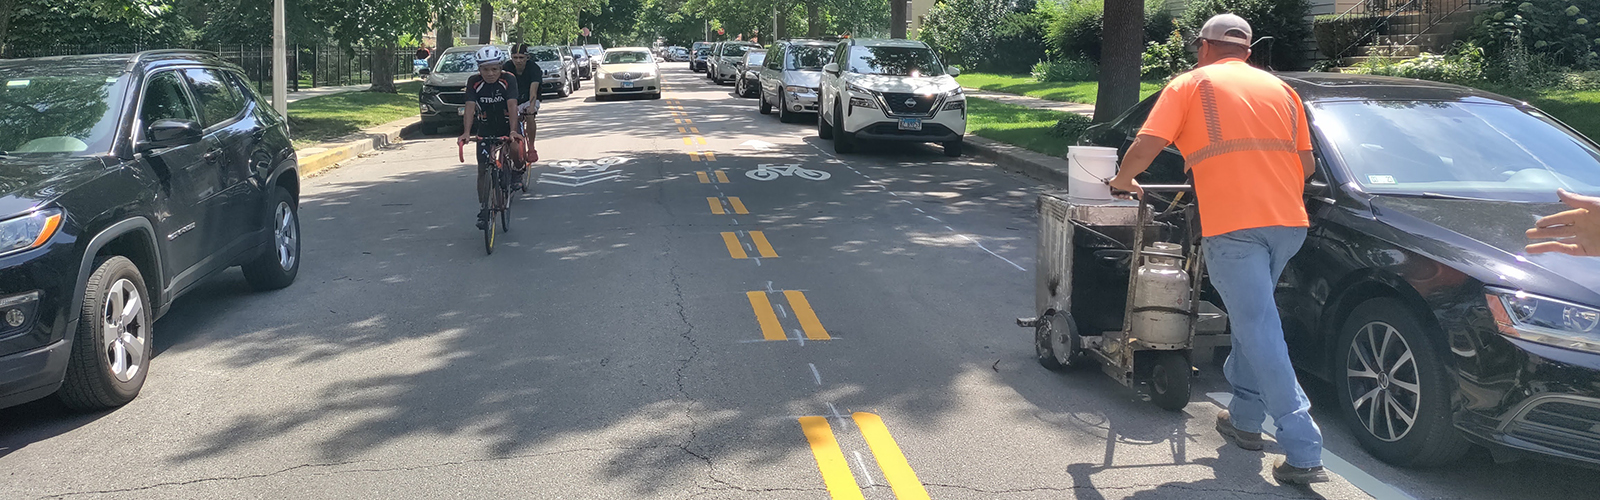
(586, 32)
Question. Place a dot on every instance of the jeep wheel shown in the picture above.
(111, 351)
(277, 267)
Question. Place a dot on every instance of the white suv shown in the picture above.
(890, 90)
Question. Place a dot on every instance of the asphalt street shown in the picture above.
(694, 301)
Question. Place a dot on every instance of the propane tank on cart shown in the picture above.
(1161, 308)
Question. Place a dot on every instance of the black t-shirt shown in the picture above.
(529, 79)
(492, 104)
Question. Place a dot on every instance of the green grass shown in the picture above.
(1016, 125)
(320, 119)
(1581, 110)
(1080, 92)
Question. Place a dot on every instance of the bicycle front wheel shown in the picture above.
(488, 236)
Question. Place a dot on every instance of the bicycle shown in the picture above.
(499, 202)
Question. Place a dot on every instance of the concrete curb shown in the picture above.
(327, 155)
(1017, 159)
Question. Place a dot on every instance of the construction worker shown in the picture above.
(1243, 135)
(1577, 230)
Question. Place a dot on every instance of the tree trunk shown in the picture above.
(7, 7)
(897, 18)
(1121, 51)
(485, 22)
(383, 62)
(783, 23)
(813, 18)
(444, 37)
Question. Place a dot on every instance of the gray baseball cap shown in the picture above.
(1227, 28)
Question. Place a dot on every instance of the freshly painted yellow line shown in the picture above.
(738, 206)
(694, 156)
(702, 176)
(680, 130)
(677, 121)
(830, 459)
(686, 120)
(734, 248)
(710, 156)
(686, 141)
(699, 139)
(901, 478)
(722, 177)
(695, 130)
(716, 205)
(761, 243)
(808, 318)
(770, 329)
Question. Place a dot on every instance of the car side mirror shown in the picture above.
(424, 71)
(831, 68)
(954, 71)
(171, 133)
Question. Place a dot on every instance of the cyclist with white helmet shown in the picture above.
(491, 111)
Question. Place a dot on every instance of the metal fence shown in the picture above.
(313, 65)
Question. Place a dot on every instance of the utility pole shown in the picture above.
(280, 60)
(897, 18)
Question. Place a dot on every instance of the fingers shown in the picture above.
(1544, 232)
(1561, 219)
(1579, 201)
(1554, 247)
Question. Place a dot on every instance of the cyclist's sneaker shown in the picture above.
(483, 219)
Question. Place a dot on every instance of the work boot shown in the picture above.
(483, 219)
(1289, 474)
(1247, 440)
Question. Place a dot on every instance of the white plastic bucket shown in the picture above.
(1088, 169)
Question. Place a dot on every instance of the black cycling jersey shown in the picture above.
(528, 80)
(492, 100)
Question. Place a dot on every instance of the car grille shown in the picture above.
(893, 129)
(453, 97)
(626, 76)
(920, 105)
(1563, 424)
(621, 90)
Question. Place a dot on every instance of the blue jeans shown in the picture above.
(1244, 266)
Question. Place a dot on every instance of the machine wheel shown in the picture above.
(1395, 392)
(764, 106)
(1057, 352)
(824, 130)
(1169, 380)
(844, 142)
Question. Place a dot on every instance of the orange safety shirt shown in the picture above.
(1240, 130)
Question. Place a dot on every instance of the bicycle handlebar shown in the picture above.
(461, 146)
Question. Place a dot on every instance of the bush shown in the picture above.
(1018, 43)
(963, 31)
(1074, 29)
(1559, 30)
(1336, 36)
(1162, 60)
(1464, 65)
(1071, 70)
(1283, 20)
(1071, 127)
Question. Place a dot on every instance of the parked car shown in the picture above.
(594, 50)
(749, 69)
(560, 78)
(627, 71)
(677, 54)
(1412, 295)
(902, 89)
(125, 181)
(791, 77)
(443, 98)
(697, 63)
(580, 61)
(724, 66)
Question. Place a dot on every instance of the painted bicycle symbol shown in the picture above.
(578, 166)
(576, 173)
(768, 172)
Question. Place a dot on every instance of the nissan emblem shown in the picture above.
(911, 103)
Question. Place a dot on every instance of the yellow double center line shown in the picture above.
(736, 248)
(772, 329)
(733, 201)
(835, 469)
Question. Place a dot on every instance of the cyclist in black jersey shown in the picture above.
(528, 77)
(491, 111)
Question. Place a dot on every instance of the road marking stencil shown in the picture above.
(575, 173)
(770, 172)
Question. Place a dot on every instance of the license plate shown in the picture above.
(913, 124)
(627, 85)
(461, 111)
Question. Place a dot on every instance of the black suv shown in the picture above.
(124, 181)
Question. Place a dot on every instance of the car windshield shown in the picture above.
(594, 51)
(808, 57)
(734, 50)
(894, 61)
(628, 57)
(457, 62)
(755, 58)
(1469, 148)
(59, 107)
(542, 54)
(701, 52)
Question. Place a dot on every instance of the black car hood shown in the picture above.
(27, 182)
(1485, 239)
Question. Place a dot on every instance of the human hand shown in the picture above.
(1129, 188)
(464, 139)
(1577, 231)
(516, 137)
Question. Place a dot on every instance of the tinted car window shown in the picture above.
(756, 58)
(894, 61)
(807, 57)
(263, 106)
(165, 99)
(543, 54)
(734, 50)
(776, 61)
(457, 62)
(59, 108)
(219, 102)
(629, 57)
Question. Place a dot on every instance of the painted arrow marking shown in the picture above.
(576, 181)
(759, 145)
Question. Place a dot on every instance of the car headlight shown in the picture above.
(793, 89)
(1545, 320)
(28, 231)
(860, 90)
(602, 74)
(956, 92)
(862, 102)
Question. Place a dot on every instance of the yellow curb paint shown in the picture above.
(722, 177)
(830, 459)
(738, 206)
(716, 205)
(896, 470)
(770, 329)
(702, 176)
(700, 140)
(735, 249)
(686, 141)
(808, 318)
(762, 245)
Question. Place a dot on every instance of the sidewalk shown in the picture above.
(322, 91)
(1031, 102)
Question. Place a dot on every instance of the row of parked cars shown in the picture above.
(125, 181)
(443, 93)
(859, 89)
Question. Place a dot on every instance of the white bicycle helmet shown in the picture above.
(489, 55)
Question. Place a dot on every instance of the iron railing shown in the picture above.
(1402, 22)
(313, 65)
